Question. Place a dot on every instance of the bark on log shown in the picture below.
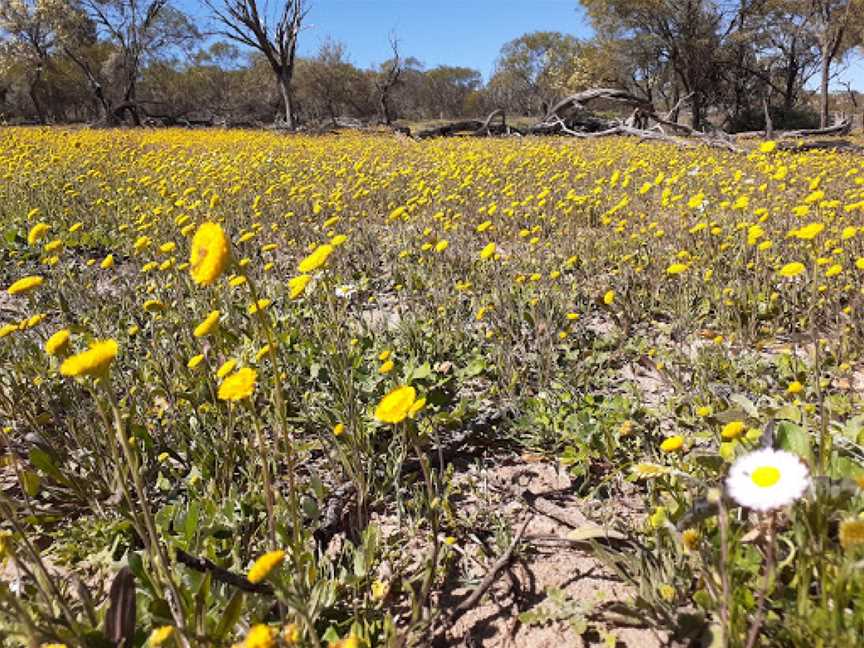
(821, 145)
(580, 100)
(467, 126)
(841, 128)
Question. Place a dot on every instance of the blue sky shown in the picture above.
(451, 32)
(444, 32)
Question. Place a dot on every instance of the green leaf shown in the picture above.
(30, 482)
(844, 467)
(331, 635)
(42, 460)
(790, 413)
(190, 525)
(136, 566)
(794, 439)
(230, 616)
(422, 372)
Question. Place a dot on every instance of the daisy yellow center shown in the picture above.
(766, 476)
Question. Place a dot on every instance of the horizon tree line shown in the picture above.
(724, 64)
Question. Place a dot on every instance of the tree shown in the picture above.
(449, 88)
(684, 34)
(328, 80)
(247, 23)
(31, 38)
(387, 79)
(111, 40)
(532, 70)
(837, 28)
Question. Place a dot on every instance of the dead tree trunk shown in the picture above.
(287, 100)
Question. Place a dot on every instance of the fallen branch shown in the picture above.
(222, 575)
(484, 129)
(454, 614)
(579, 101)
(472, 599)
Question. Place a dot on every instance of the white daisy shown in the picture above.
(767, 479)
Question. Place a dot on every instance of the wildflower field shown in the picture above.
(265, 390)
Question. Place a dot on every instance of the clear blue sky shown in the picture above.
(447, 32)
(469, 33)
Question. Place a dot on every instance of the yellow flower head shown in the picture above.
(291, 634)
(672, 444)
(792, 269)
(315, 260)
(396, 405)
(226, 368)
(351, 641)
(161, 635)
(208, 325)
(260, 305)
(488, 251)
(809, 232)
(851, 533)
(264, 565)
(154, 306)
(690, 539)
(238, 385)
(211, 254)
(57, 343)
(107, 263)
(733, 429)
(609, 297)
(794, 387)
(297, 285)
(37, 233)
(95, 361)
(260, 636)
(676, 268)
(25, 285)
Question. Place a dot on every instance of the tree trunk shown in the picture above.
(676, 104)
(37, 104)
(825, 68)
(696, 111)
(287, 100)
(385, 107)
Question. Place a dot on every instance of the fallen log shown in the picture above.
(841, 128)
(453, 128)
(473, 127)
(821, 145)
(570, 117)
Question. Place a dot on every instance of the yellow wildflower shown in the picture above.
(396, 405)
(25, 285)
(95, 361)
(264, 565)
(238, 385)
(210, 254)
